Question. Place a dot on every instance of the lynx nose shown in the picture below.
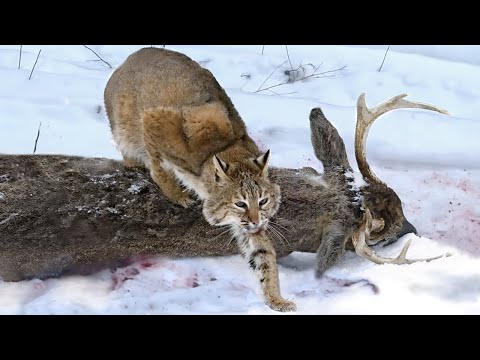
(254, 218)
(255, 225)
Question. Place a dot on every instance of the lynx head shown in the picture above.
(244, 198)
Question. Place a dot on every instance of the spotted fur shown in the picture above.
(171, 116)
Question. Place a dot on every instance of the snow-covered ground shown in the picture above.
(431, 160)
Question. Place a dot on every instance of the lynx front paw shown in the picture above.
(282, 305)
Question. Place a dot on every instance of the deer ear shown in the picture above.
(262, 162)
(327, 144)
(221, 168)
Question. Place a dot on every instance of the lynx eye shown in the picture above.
(241, 204)
(263, 201)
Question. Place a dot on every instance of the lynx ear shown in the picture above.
(262, 162)
(221, 168)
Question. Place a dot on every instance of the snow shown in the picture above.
(431, 160)
(134, 189)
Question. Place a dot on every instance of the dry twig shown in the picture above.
(20, 57)
(384, 57)
(36, 139)
(110, 66)
(31, 73)
(288, 57)
(314, 75)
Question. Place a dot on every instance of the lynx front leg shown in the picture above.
(260, 254)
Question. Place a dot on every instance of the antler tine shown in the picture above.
(361, 236)
(366, 117)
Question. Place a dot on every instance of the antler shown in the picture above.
(366, 117)
(361, 237)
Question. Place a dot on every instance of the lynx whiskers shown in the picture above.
(170, 115)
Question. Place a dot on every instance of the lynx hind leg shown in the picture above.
(260, 254)
(331, 249)
(168, 183)
(154, 134)
(163, 131)
(207, 128)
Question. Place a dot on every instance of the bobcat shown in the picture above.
(170, 115)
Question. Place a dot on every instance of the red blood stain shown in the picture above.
(458, 224)
(170, 274)
(260, 143)
(39, 285)
(120, 277)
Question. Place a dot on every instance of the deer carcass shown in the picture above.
(63, 214)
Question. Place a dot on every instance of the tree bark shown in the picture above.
(60, 214)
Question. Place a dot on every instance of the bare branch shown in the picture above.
(288, 56)
(273, 86)
(280, 94)
(246, 76)
(327, 72)
(38, 135)
(269, 76)
(380, 68)
(314, 71)
(110, 66)
(313, 75)
(31, 73)
(20, 57)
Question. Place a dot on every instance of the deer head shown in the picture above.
(375, 207)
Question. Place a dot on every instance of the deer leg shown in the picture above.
(331, 249)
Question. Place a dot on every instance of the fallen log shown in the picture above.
(59, 214)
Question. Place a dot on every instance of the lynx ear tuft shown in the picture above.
(262, 162)
(221, 168)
